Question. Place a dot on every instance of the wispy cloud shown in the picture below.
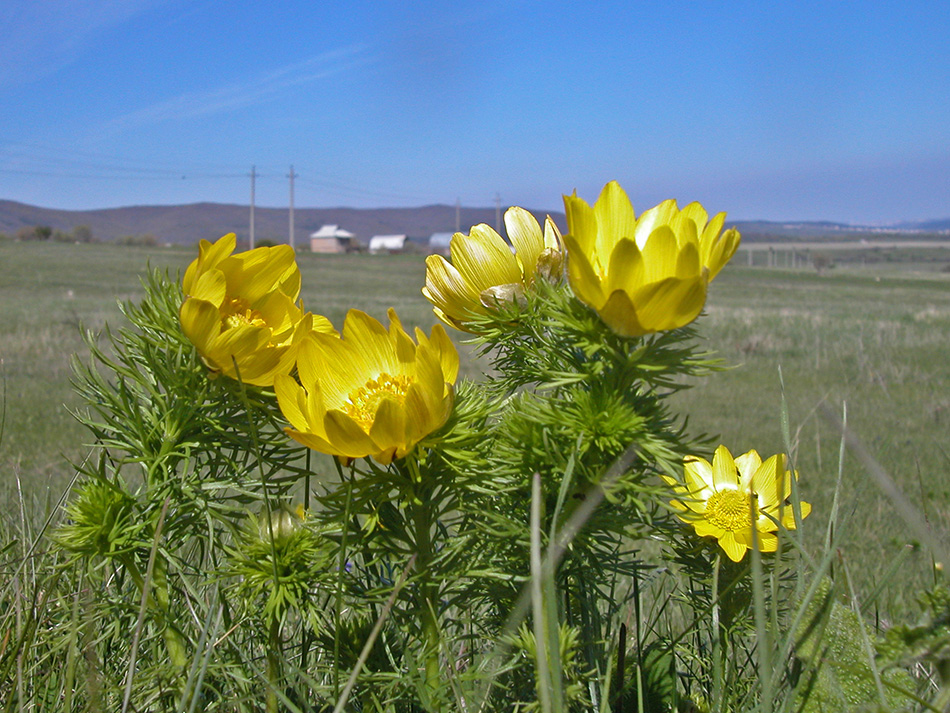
(254, 90)
(42, 36)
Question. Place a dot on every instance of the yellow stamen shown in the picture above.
(364, 402)
(729, 509)
(237, 312)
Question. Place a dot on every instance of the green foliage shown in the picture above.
(281, 564)
(532, 531)
(99, 519)
(840, 671)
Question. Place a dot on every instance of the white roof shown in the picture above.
(440, 240)
(387, 242)
(331, 231)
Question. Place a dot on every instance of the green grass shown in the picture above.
(875, 341)
(874, 336)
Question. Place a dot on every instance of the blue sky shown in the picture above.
(779, 111)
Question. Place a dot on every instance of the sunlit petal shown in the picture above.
(253, 299)
(665, 279)
(371, 392)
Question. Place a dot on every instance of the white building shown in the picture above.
(386, 244)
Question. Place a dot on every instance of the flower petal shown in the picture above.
(724, 471)
(389, 424)
(346, 437)
(767, 481)
(370, 342)
(734, 550)
(525, 234)
(484, 259)
(615, 218)
(747, 464)
(585, 282)
(209, 255)
(292, 400)
(449, 291)
(581, 224)
(621, 316)
(720, 251)
(200, 321)
(788, 516)
(670, 304)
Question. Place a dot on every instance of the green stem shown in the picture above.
(341, 573)
(428, 601)
(718, 640)
(273, 665)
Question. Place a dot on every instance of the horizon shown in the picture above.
(778, 114)
(897, 226)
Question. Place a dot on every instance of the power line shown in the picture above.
(45, 161)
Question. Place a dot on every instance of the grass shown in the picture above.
(875, 337)
(874, 341)
(800, 344)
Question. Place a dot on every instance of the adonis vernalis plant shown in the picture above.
(370, 392)
(646, 274)
(513, 543)
(484, 271)
(241, 310)
(741, 502)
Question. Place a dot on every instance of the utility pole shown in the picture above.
(458, 210)
(253, 177)
(497, 213)
(292, 176)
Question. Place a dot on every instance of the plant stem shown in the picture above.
(273, 665)
(718, 640)
(422, 507)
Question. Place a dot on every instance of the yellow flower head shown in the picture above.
(484, 271)
(240, 311)
(717, 500)
(372, 392)
(643, 275)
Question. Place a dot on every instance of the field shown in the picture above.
(875, 338)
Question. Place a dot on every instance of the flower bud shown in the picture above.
(280, 526)
(551, 264)
(502, 295)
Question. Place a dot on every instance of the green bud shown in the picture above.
(280, 526)
(551, 265)
(502, 295)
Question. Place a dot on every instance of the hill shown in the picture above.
(186, 224)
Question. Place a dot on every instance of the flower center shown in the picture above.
(364, 402)
(729, 509)
(237, 312)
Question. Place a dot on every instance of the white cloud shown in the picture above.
(254, 90)
(43, 36)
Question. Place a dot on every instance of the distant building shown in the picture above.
(439, 243)
(386, 244)
(332, 239)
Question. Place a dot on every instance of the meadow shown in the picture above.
(874, 338)
(797, 351)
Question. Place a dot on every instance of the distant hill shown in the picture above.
(186, 224)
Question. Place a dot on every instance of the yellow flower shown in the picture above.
(643, 275)
(484, 272)
(717, 499)
(371, 392)
(240, 311)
